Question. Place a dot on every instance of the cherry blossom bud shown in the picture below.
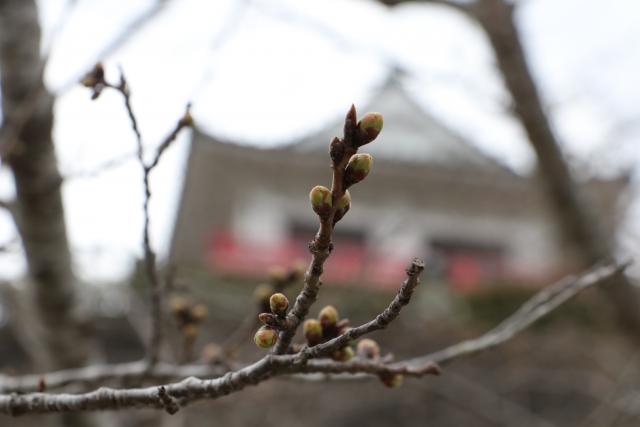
(328, 317)
(368, 349)
(369, 128)
(343, 355)
(190, 330)
(178, 305)
(391, 380)
(321, 200)
(199, 312)
(262, 292)
(336, 150)
(276, 273)
(358, 168)
(266, 337)
(312, 331)
(342, 206)
(278, 303)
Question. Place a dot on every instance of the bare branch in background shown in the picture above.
(122, 37)
(101, 168)
(191, 388)
(536, 307)
(95, 80)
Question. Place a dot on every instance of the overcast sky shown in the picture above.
(264, 72)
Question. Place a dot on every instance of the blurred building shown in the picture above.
(431, 194)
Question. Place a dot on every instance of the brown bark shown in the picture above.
(27, 147)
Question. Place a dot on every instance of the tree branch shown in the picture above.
(191, 388)
(533, 309)
(321, 245)
(96, 81)
(381, 321)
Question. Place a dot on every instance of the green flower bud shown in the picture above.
(298, 269)
(190, 330)
(358, 168)
(312, 331)
(266, 337)
(178, 306)
(368, 349)
(336, 150)
(276, 274)
(278, 303)
(391, 380)
(321, 200)
(343, 204)
(343, 355)
(369, 128)
(328, 317)
(262, 292)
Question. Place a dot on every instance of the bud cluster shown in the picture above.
(327, 326)
(274, 321)
(349, 166)
(188, 316)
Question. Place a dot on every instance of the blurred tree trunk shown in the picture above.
(581, 228)
(47, 308)
(27, 148)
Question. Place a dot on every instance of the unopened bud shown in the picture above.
(262, 292)
(278, 303)
(199, 312)
(369, 128)
(276, 273)
(178, 305)
(350, 125)
(343, 355)
(368, 349)
(358, 168)
(190, 330)
(187, 118)
(336, 150)
(297, 271)
(391, 380)
(211, 352)
(266, 337)
(328, 316)
(321, 200)
(94, 77)
(312, 331)
(342, 206)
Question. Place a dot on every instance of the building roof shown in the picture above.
(410, 134)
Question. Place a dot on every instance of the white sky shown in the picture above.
(284, 68)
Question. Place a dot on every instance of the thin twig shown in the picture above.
(536, 307)
(156, 337)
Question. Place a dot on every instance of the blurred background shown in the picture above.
(463, 177)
